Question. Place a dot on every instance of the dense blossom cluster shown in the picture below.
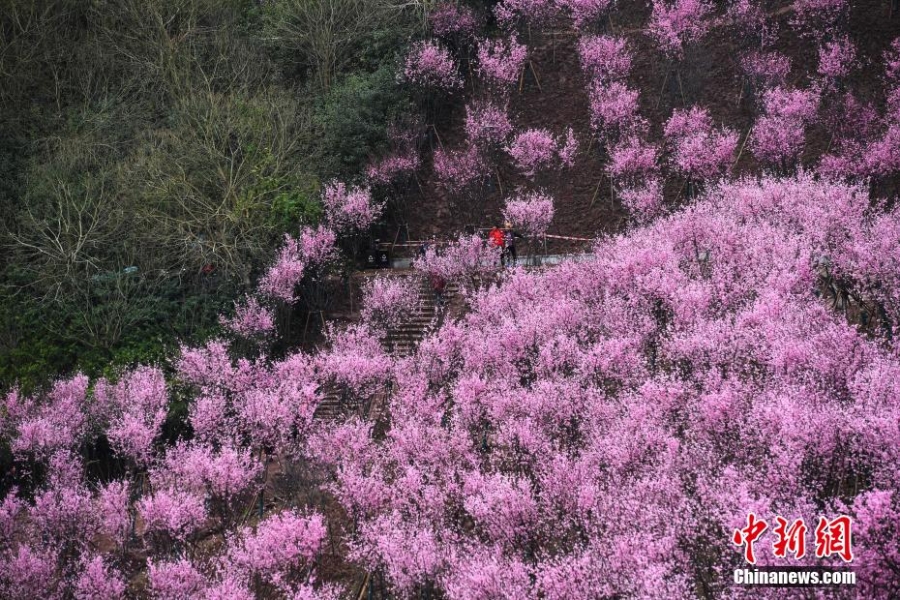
(315, 247)
(699, 151)
(575, 450)
(487, 124)
(779, 134)
(536, 150)
(460, 170)
(677, 24)
(500, 62)
(386, 301)
(597, 429)
(531, 213)
(431, 67)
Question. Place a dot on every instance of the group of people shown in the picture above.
(505, 239)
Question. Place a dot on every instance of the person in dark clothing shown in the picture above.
(438, 284)
(509, 243)
(423, 249)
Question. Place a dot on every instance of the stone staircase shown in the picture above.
(403, 339)
(400, 341)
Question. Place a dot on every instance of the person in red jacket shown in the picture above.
(497, 239)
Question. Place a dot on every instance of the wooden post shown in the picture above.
(596, 192)
(741, 151)
(662, 88)
(536, 79)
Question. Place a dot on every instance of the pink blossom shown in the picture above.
(874, 529)
(535, 149)
(250, 319)
(460, 170)
(487, 125)
(56, 422)
(113, 510)
(138, 402)
(393, 167)
(430, 66)
(229, 588)
(356, 361)
(388, 300)
(700, 152)
(11, 511)
(62, 512)
(568, 149)
(27, 573)
(892, 62)
(605, 57)
(532, 13)
(286, 272)
(500, 62)
(466, 257)
(176, 513)
(587, 13)
(644, 201)
(614, 106)
(678, 24)
(349, 208)
(451, 18)
(281, 541)
(98, 581)
(532, 213)
(175, 580)
(836, 58)
(632, 158)
(314, 247)
(224, 473)
(766, 69)
(778, 136)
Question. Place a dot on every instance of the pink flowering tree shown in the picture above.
(526, 15)
(349, 209)
(676, 25)
(465, 260)
(251, 319)
(836, 59)
(135, 406)
(312, 251)
(644, 200)
(36, 427)
(699, 152)
(632, 160)
(487, 125)
(500, 63)
(588, 15)
(454, 22)
(763, 70)
(605, 58)
(614, 109)
(530, 213)
(461, 172)
(779, 134)
(387, 301)
(536, 150)
(431, 69)
(397, 168)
